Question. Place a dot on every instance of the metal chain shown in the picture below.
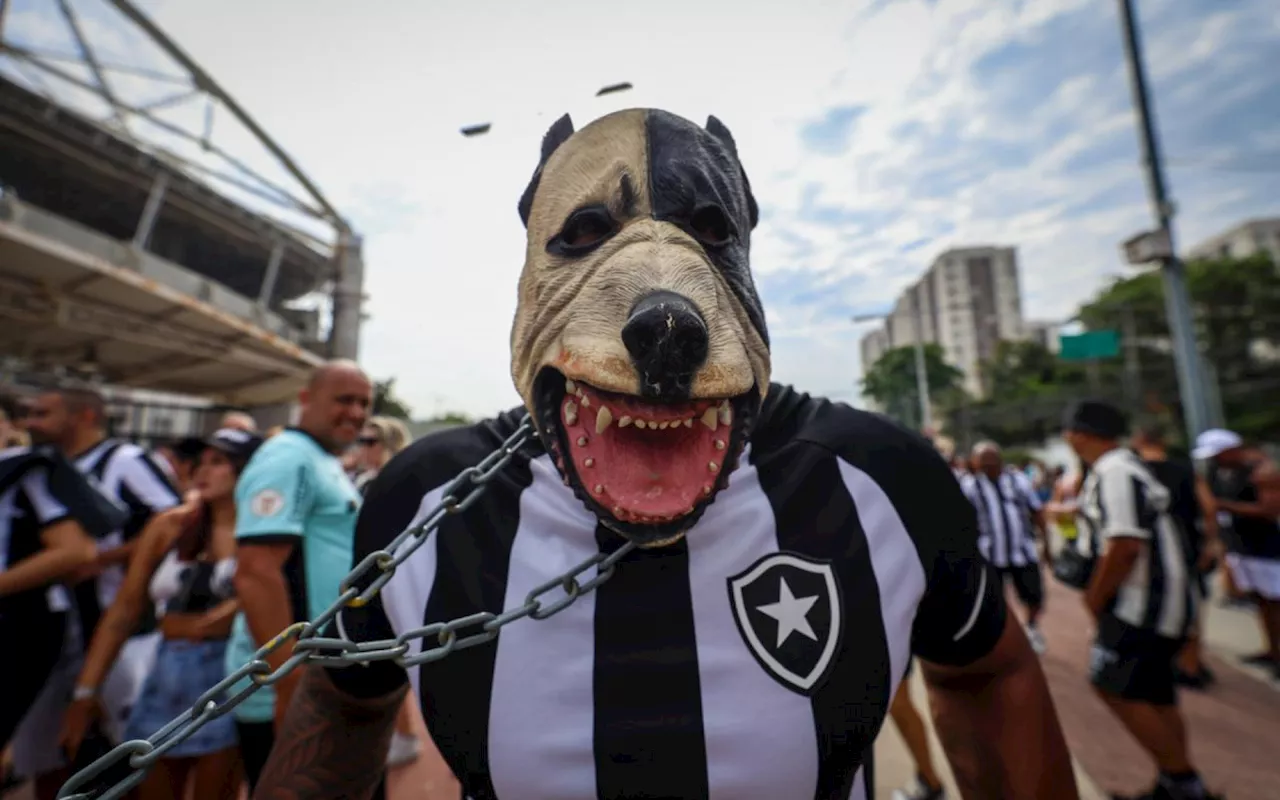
(458, 634)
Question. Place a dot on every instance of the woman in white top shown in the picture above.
(184, 565)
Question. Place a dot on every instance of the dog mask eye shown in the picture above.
(711, 226)
(585, 230)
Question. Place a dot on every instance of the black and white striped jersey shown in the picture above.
(1005, 507)
(39, 488)
(129, 476)
(1122, 498)
(755, 658)
(27, 507)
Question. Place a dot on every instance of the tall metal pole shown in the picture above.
(1176, 298)
(922, 375)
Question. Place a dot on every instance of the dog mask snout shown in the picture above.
(667, 339)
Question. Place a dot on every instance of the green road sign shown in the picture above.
(1089, 345)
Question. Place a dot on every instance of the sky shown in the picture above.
(876, 134)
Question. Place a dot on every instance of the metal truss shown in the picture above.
(141, 99)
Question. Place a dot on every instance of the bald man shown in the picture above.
(240, 421)
(295, 523)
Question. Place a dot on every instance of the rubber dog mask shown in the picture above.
(639, 343)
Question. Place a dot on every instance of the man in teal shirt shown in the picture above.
(296, 512)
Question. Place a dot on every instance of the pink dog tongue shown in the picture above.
(648, 463)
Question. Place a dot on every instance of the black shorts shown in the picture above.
(1134, 664)
(1027, 582)
(41, 637)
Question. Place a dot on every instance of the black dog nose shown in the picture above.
(668, 342)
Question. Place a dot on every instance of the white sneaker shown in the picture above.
(1036, 638)
(919, 791)
(403, 749)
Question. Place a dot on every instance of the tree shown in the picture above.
(891, 382)
(1023, 369)
(451, 418)
(1236, 308)
(385, 402)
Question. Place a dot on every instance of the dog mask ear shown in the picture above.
(719, 130)
(556, 135)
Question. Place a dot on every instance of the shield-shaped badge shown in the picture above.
(788, 610)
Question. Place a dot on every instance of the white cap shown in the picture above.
(1214, 441)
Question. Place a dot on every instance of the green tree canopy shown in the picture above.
(451, 418)
(891, 382)
(1027, 369)
(1236, 306)
(385, 402)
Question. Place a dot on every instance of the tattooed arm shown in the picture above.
(333, 743)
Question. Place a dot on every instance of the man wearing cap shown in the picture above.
(296, 512)
(1246, 483)
(1140, 593)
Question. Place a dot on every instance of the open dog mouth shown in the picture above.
(647, 469)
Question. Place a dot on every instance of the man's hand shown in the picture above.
(76, 721)
(1210, 554)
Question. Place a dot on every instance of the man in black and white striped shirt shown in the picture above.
(49, 517)
(791, 553)
(1140, 593)
(73, 418)
(1011, 522)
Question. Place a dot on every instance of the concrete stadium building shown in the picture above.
(138, 254)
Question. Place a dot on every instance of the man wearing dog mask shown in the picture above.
(789, 557)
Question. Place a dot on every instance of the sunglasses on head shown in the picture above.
(369, 440)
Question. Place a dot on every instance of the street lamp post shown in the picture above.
(1177, 301)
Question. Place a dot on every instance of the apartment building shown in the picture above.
(968, 301)
(1246, 239)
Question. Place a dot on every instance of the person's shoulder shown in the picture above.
(126, 451)
(285, 448)
(862, 438)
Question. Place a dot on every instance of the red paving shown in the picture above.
(1234, 728)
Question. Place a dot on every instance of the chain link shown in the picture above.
(309, 647)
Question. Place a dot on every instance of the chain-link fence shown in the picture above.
(356, 590)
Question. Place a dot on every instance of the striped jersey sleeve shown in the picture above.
(146, 483)
(47, 508)
(1028, 491)
(1119, 499)
(961, 616)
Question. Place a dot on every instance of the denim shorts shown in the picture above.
(183, 671)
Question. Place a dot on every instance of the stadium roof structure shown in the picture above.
(135, 244)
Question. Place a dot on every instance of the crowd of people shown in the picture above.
(129, 611)
(138, 579)
(1139, 534)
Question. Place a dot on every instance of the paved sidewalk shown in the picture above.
(895, 768)
(1234, 728)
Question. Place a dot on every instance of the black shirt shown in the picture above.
(1180, 479)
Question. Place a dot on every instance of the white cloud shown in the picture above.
(1040, 154)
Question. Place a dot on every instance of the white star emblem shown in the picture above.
(791, 613)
